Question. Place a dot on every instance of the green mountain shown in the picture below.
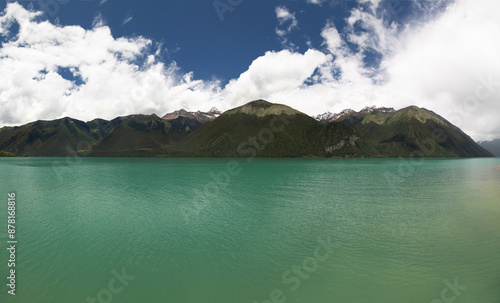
(44, 138)
(256, 129)
(264, 129)
(135, 135)
(412, 131)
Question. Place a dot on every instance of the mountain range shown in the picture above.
(199, 116)
(492, 146)
(256, 129)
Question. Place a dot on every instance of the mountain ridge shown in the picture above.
(262, 108)
(256, 129)
(331, 117)
(198, 115)
(492, 146)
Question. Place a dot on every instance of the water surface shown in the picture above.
(397, 229)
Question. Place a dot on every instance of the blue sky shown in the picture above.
(193, 33)
(214, 39)
(88, 59)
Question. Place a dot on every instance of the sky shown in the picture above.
(91, 59)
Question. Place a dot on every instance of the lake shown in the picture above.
(268, 230)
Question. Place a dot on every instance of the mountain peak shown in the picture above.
(423, 114)
(260, 102)
(261, 108)
(214, 110)
(330, 117)
(198, 116)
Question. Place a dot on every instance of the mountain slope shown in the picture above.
(413, 131)
(281, 128)
(492, 146)
(199, 116)
(351, 115)
(44, 138)
(135, 135)
(264, 129)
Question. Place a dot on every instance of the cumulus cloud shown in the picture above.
(451, 65)
(272, 75)
(372, 31)
(50, 71)
(448, 64)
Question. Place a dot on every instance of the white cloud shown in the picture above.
(120, 75)
(372, 3)
(287, 22)
(443, 63)
(374, 34)
(272, 75)
(127, 19)
(98, 21)
(315, 1)
(285, 17)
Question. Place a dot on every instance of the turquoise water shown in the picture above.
(281, 230)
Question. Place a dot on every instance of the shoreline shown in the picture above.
(255, 158)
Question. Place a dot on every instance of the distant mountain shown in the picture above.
(135, 135)
(199, 116)
(256, 129)
(331, 117)
(492, 146)
(44, 138)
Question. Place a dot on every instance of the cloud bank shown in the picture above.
(448, 64)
